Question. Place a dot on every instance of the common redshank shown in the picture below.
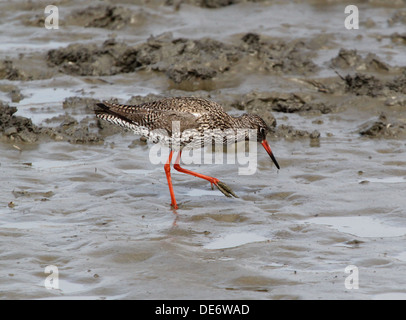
(182, 122)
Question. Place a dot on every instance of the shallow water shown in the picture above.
(101, 214)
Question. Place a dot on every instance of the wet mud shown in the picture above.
(81, 194)
(183, 59)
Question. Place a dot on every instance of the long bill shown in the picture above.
(266, 146)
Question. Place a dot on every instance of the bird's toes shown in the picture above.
(225, 189)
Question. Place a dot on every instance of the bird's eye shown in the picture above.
(262, 132)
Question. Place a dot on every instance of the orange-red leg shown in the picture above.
(226, 190)
(177, 167)
(167, 168)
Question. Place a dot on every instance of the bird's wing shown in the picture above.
(130, 116)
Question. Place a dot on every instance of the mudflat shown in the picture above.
(83, 196)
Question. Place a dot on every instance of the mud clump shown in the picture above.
(87, 130)
(81, 104)
(110, 17)
(365, 81)
(136, 100)
(25, 68)
(361, 84)
(20, 129)
(15, 128)
(179, 59)
(77, 132)
(88, 59)
(398, 84)
(101, 16)
(399, 38)
(282, 102)
(368, 85)
(183, 59)
(289, 132)
(105, 16)
(350, 59)
(382, 128)
(216, 3)
(10, 72)
(278, 55)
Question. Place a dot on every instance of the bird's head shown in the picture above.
(259, 125)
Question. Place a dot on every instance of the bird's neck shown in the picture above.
(241, 122)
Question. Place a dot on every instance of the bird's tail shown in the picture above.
(105, 111)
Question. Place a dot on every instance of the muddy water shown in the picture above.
(83, 197)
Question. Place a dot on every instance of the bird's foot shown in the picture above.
(225, 189)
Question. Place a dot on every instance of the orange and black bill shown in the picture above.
(266, 146)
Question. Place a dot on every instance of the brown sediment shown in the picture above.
(21, 129)
(183, 59)
(16, 128)
(384, 128)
